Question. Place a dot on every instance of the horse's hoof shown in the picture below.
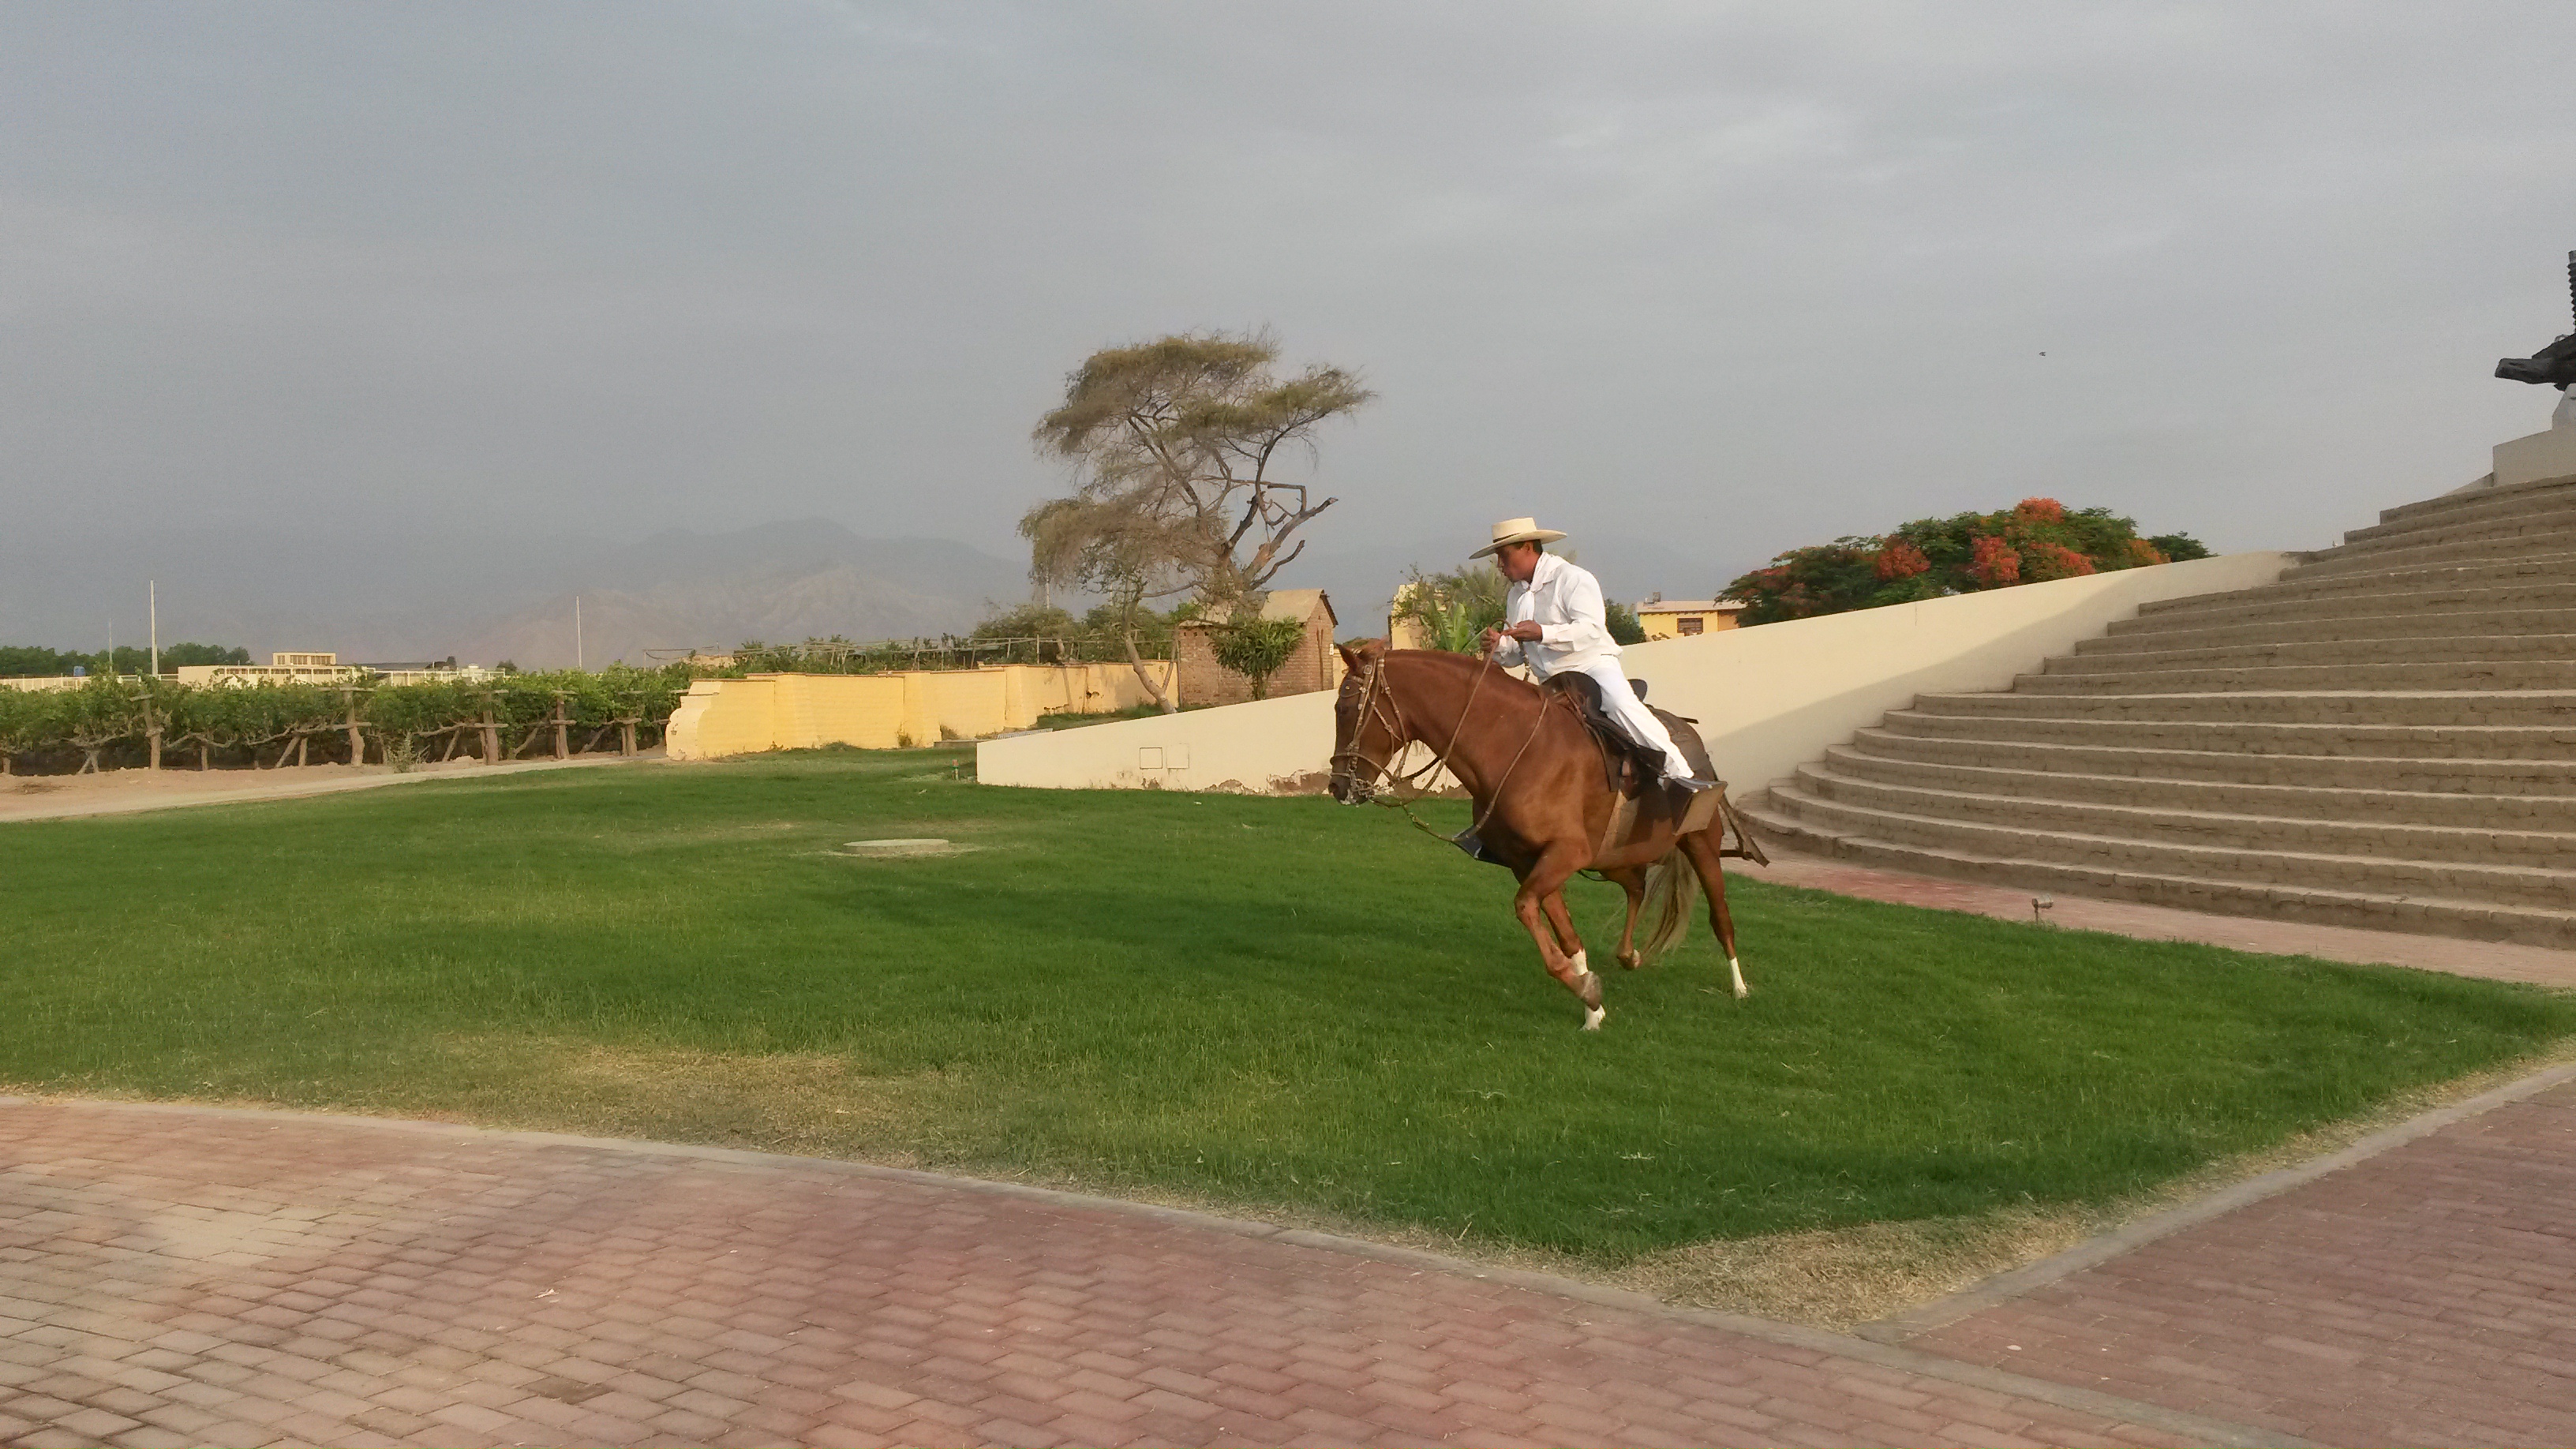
(1592, 1017)
(1631, 959)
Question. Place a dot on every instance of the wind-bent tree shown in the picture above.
(1174, 440)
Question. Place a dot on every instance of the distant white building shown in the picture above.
(312, 668)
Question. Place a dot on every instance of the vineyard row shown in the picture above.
(121, 723)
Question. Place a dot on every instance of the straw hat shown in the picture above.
(1517, 530)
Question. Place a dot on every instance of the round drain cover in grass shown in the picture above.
(897, 847)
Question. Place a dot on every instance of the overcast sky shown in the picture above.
(1733, 276)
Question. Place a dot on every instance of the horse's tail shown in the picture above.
(1671, 886)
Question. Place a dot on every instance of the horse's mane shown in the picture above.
(1498, 686)
(1462, 666)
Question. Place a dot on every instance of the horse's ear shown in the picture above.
(1359, 656)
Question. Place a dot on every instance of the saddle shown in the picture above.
(1635, 771)
(1631, 765)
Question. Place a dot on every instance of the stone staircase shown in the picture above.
(2384, 738)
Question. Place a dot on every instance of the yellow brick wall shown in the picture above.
(720, 717)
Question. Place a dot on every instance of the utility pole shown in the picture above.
(153, 594)
(576, 631)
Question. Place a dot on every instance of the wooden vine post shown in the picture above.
(563, 746)
(491, 733)
(357, 742)
(152, 722)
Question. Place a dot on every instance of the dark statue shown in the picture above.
(2554, 364)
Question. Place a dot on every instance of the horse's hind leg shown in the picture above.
(1702, 848)
(1540, 904)
(1633, 881)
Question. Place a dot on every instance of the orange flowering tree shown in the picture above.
(2036, 540)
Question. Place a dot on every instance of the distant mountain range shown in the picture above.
(482, 597)
(428, 595)
(777, 582)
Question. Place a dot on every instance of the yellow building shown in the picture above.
(1664, 618)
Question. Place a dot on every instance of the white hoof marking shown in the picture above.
(1592, 1017)
(1741, 990)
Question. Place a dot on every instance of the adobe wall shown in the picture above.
(1314, 666)
(720, 717)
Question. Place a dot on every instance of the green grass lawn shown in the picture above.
(1219, 999)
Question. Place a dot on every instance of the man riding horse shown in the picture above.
(1555, 622)
(1553, 795)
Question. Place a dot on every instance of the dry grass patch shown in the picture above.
(1839, 1277)
(751, 833)
(808, 1103)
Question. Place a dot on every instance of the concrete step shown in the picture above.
(2535, 514)
(2345, 708)
(2430, 744)
(2468, 675)
(2554, 536)
(1996, 861)
(2401, 622)
(2386, 736)
(2366, 805)
(2465, 845)
(2319, 643)
(2541, 502)
(2057, 844)
(2537, 581)
(2476, 499)
(2449, 775)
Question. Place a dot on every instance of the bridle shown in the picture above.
(1380, 704)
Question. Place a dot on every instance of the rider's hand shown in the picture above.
(1492, 638)
(1527, 631)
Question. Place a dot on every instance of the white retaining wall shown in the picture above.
(1768, 698)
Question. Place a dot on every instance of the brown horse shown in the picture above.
(1544, 803)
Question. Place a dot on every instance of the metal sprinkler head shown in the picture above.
(2040, 904)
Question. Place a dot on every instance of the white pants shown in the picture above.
(1630, 713)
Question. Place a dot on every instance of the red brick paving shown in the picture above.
(197, 1276)
(2424, 1296)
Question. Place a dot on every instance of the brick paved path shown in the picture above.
(2425, 1296)
(187, 1276)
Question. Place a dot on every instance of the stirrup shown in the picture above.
(1470, 842)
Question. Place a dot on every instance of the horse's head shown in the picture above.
(1367, 728)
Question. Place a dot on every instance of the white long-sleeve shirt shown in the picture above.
(1573, 621)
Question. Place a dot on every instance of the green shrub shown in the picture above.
(2033, 542)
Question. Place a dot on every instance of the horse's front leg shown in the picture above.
(1541, 907)
(1633, 881)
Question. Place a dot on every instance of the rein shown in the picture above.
(1383, 772)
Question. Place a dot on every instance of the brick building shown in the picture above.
(1313, 666)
